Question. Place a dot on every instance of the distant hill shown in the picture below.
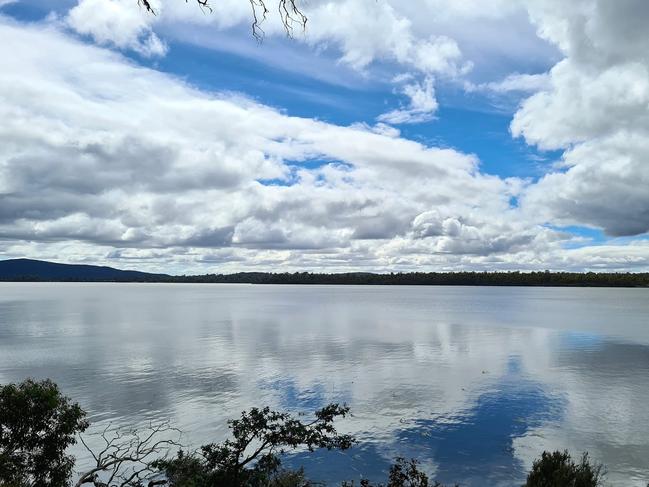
(39, 270)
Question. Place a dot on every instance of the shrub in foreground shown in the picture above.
(558, 469)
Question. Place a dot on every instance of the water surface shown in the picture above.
(473, 381)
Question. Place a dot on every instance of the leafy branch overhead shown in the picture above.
(289, 13)
(252, 455)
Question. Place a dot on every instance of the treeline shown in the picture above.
(35, 270)
(546, 278)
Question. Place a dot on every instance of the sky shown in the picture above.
(387, 136)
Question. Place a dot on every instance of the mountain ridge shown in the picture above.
(41, 270)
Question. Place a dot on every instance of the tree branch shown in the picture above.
(128, 455)
(290, 14)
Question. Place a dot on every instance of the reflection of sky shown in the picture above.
(471, 446)
(476, 444)
(292, 398)
(573, 340)
(468, 380)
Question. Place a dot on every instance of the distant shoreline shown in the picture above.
(26, 270)
(79, 281)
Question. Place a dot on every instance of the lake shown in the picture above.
(475, 382)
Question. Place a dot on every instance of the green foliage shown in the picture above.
(291, 478)
(251, 457)
(37, 424)
(557, 469)
(406, 474)
(403, 473)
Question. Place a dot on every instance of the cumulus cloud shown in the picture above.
(100, 157)
(381, 32)
(470, 234)
(605, 185)
(597, 110)
(110, 154)
(120, 23)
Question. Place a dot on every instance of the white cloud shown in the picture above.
(359, 37)
(421, 108)
(114, 156)
(525, 83)
(597, 110)
(100, 157)
(582, 105)
(121, 23)
(605, 185)
(365, 35)
(633, 257)
(426, 38)
(430, 39)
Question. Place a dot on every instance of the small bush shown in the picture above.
(557, 469)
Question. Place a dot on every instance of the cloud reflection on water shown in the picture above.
(468, 380)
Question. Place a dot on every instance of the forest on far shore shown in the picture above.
(17, 270)
(545, 278)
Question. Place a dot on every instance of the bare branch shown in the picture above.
(289, 13)
(127, 455)
(257, 31)
(147, 5)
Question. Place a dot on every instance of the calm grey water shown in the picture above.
(475, 382)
